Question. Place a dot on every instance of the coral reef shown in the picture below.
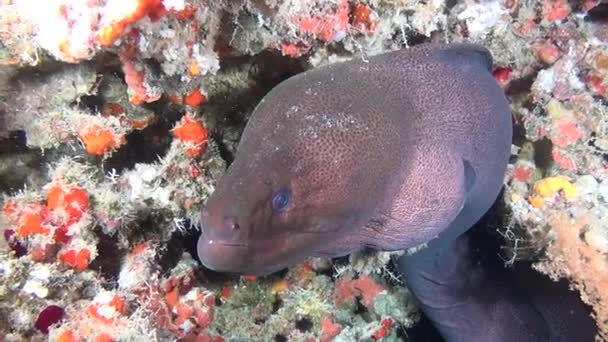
(117, 117)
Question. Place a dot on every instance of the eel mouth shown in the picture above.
(227, 243)
(260, 257)
(223, 256)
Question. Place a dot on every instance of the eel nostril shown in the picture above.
(231, 224)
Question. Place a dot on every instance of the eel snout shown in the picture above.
(223, 244)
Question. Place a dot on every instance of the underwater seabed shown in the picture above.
(118, 117)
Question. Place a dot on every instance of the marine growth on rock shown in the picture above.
(118, 119)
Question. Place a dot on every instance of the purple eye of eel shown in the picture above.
(403, 148)
(281, 200)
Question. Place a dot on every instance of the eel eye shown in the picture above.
(280, 200)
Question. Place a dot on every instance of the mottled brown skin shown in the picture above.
(404, 148)
(373, 153)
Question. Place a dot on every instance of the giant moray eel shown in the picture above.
(407, 147)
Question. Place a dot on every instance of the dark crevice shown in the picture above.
(598, 14)
(337, 262)
(143, 146)
(276, 305)
(542, 153)
(423, 330)
(259, 320)
(147, 229)
(529, 104)
(19, 161)
(519, 138)
(93, 103)
(38, 73)
(15, 142)
(304, 324)
(280, 338)
(222, 148)
(519, 134)
(360, 309)
(108, 260)
(189, 240)
(521, 85)
(391, 268)
(413, 38)
(328, 272)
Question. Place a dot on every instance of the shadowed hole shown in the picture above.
(304, 324)
(598, 14)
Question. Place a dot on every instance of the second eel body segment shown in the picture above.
(405, 148)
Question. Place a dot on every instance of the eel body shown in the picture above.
(403, 148)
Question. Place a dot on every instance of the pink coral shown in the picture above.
(562, 160)
(326, 27)
(329, 329)
(135, 79)
(347, 289)
(568, 132)
(556, 9)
